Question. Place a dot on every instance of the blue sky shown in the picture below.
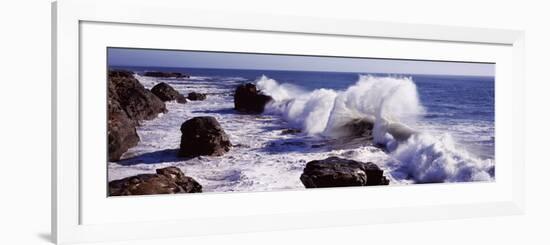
(192, 59)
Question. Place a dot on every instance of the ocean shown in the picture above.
(454, 116)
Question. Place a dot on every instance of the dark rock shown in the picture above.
(168, 180)
(338, 172)
(165, 92)
(128, 102)
(359, 127)
(196, 96)
(249, 99)
(121, 130)
(203, 136)
(138, 102)
(181, 99)
(120, 73)
(165, 74)
(291, 131)
(356, 128)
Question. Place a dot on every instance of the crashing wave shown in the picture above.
(433, 159)
(389, 104)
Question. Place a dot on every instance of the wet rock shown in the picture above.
(128, 102)
(196, 96)
(203, 136)
(354, 128)
(165, 74)
(181, 99)
(120, 73)
(291, 131)
(339, 172)
(170, 180)
(249, 99)
(121, 130)
(359, 127)
(165, 92)
(138, 102)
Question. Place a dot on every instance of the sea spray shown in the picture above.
(279, 92)
(428, 158)
(391, 104)
(381, 100)
(307, 110)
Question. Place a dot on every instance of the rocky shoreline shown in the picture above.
(129, 103)
(165, 74)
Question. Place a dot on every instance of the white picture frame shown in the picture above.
(70, 198)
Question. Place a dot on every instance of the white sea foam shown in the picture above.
(147, 82)
(279, 92)
(198, 78)
(429, 158)
(383, 100)
(391, 103)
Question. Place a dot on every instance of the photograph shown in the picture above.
(195, 121)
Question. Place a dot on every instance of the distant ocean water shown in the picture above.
(459, 107)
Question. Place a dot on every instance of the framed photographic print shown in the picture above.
(209, 123)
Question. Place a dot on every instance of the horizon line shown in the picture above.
(357, 72)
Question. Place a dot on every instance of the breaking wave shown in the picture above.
(383, 101)
(392, 106)
(432, 159)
